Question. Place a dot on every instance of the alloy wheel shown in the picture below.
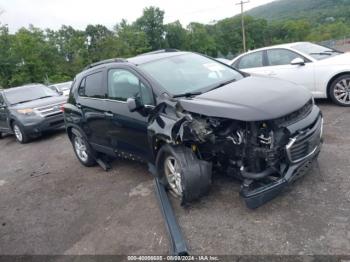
(342, 91)
(173, 175)
(81, 149)
(18, 133)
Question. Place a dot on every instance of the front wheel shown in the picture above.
(82, 150)
(186, 176)
(20, 134)
(340, 90)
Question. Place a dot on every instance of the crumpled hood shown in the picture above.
(253, 98)
(42, 102)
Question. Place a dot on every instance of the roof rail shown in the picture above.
(107, 61)
(166, 50)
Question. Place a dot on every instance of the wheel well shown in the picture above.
(11, 123)
(69, 132)
(332, 80)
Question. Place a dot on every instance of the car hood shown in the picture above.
(253, 98)
(42, 102)
(342, 59)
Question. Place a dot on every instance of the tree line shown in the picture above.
(34, 55)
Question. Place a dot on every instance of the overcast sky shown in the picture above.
(79, 13)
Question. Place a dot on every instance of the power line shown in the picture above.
(242, 3)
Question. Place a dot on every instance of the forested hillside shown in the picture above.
(312, 10)
(43, 55)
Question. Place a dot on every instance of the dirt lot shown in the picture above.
(50, 204)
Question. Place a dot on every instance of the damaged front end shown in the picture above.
(264, 155)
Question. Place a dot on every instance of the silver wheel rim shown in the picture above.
(342, 91)
(173, 175)
(80, 149)
(18, 132)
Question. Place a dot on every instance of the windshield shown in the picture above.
(28, 93)
(316, 51)
(189, 73)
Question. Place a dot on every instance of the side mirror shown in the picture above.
(133, 104)
(298, 61)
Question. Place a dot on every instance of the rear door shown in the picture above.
(91, 101)
(128, 130)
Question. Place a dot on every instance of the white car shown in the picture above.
(324, 71)
(61, 88)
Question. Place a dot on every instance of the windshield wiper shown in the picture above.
(188, 94)
(42, 97)
(222, 84)
(334, 51)
(321, 53)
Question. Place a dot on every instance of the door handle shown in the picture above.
(108, 114)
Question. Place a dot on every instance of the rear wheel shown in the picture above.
(82, 150)
(20, 134)
(340, 90)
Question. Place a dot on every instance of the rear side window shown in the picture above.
(251, 60)
(281, 57)
(91, 86)
(122, 84)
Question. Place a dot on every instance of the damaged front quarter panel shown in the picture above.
(253, 152)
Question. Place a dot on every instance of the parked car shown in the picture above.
(61, 88)
(324, 71)
(188, 115)
(29, 110)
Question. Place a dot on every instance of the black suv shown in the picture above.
(190, 116)
(29, 110)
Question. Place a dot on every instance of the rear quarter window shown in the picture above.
(91, 86)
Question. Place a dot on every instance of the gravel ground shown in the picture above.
(51, 204)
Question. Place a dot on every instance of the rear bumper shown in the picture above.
(46, 124)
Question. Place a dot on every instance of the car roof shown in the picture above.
(150, 57)
(288, 45)
(137, 60)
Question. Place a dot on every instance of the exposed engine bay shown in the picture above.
(257, 153)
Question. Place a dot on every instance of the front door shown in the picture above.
(279, 65)
(128, 130)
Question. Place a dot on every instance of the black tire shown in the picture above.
(339, 91)
(0, 135)
(194, 174)
(20, 134)
(87, 158)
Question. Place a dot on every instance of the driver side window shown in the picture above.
(122, 84)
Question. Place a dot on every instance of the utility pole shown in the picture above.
(241, 3)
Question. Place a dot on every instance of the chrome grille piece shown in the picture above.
(306, 143)
(49, 110)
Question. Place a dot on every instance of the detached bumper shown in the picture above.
(261, 195)
(46, 124)
(301, 152)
